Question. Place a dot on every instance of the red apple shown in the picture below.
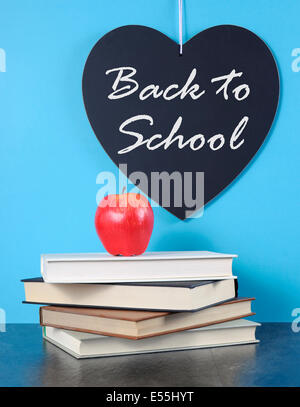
(124, 223)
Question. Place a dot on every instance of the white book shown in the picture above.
(85, 345)
(148, 267)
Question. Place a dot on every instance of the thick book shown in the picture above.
(141, 324)
(167, 296)
(148, 267)
(86, 345)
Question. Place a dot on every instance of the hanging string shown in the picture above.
(180, 25)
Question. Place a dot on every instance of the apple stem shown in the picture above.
(123, 190)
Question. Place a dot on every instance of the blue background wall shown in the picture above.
(49, 156)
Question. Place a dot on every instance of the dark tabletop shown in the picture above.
(27, 360)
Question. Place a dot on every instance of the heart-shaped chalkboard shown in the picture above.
(170, 115)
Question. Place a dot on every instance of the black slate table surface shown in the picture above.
(27, 360)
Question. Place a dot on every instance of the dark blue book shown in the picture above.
(154, 296)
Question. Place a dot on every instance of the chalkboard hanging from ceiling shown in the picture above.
(208, 110)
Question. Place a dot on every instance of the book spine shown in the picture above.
(41, 315)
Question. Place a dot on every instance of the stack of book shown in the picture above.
(100, 305)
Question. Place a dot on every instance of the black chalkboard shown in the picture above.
(221, 95)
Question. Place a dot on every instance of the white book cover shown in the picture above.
(85, 345)
(148, 267)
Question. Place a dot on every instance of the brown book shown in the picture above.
(141, 324)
